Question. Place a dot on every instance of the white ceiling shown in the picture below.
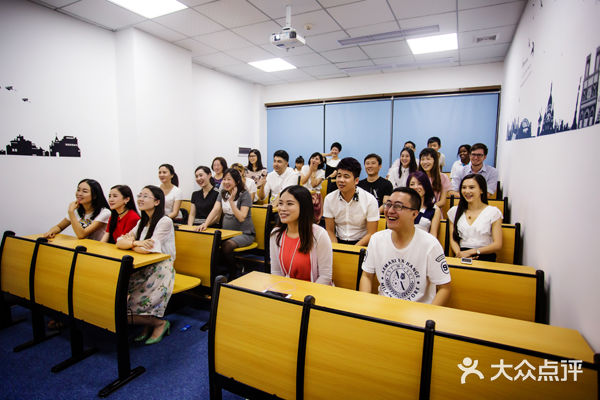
(225, 35)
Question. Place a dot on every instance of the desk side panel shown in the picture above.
(194, 253)
(256, 341)
(449, 353)
(16, 262)
(94, 290)
(345, 269)
(351, 358)
(506, 295)
(52, 269)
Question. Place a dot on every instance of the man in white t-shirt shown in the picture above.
(351, 213)
(409, 263)
(281, 177)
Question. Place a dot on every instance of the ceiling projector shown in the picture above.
(288, 38)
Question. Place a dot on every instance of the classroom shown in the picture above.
(137, 94)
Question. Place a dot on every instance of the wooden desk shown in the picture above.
(348, 248)
(555, 340)
(493, 266)
(225, 234)
(104, 249)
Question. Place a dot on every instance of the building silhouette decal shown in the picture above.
(586, 113)
(66, 147)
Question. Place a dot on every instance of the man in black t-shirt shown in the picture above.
(379, 187)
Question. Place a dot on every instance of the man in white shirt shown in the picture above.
(281, 177)
(478, 155)
(409, 263)
(351, 213)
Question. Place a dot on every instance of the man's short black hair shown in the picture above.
(411, 142)
(336, 144)
(350, 164)
(481, 146)
(375, 156)
(434, 139)
(283, 154)
(415, 198)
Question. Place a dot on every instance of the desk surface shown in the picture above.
(104, 249)
(348, 248)
(492, 266)
(529, 335)
(225, 234)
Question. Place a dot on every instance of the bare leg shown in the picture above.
(150, 322)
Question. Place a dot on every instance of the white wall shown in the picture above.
(552, 181)
(67, 70)
(408, 81)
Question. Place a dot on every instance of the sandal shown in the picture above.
(54, 325)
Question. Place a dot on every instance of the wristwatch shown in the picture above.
(478, 252)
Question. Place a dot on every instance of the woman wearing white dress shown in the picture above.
(475, 228)
(151, 287)
(402, 167)
(173, 196)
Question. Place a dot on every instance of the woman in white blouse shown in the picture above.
(173, 195)
(150, 288)
(402, 167)
(475, 228)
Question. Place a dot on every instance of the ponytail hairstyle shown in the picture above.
(305, 218)
(114, 215)
(208, 172)
(174, 178)
(159, 212)
(436, 179)
(462, 203)
(412, 165)
(98, 200)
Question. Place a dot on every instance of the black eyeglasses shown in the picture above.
(397, 206)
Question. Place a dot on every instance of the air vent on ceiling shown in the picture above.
(486, 38)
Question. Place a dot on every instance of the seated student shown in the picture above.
(402, 167)
(299, 248)
(248, 183)
(150, 288)
(311, 177)
(235, 204)
(379, 187)
(429, 215)
(173, 195)
(435, 143)
(203, 200)
(408, 262)
(428, 163)
(475, 227)
(464, 153)
(331, 165)
(351, 213)
(219, 165)
(478, 155)
(87, 215)
(281, 177)
(299, 164)
(255, 169)
(123, 216)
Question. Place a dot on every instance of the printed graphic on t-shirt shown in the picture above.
(401, 279)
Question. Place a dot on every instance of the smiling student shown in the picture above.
(379, 187)
(428, 163)
(123, 216)
(203, 200)
(299, 248)
(173, 195)
(281, 177)
(351, 213)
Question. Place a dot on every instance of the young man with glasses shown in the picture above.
(409, 263)
(476, 166)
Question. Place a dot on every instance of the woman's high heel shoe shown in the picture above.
(142, 337)
(166, 331)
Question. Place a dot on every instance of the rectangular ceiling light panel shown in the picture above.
(150, 8)
(272, 65)
(433, 44)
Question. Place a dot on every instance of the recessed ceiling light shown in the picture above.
(150, 8)
(272, 65)
(433, 44)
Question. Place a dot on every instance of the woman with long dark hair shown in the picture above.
(429, 215)
(429, 164)
(255, 169)
(169, 183)
(299, 248)
(87, 215)
(219, 166)
(407, 164)
(476, 227)
(204, 199)
(312, 177)
(235, 204)
(150, 288)
(123, 214)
